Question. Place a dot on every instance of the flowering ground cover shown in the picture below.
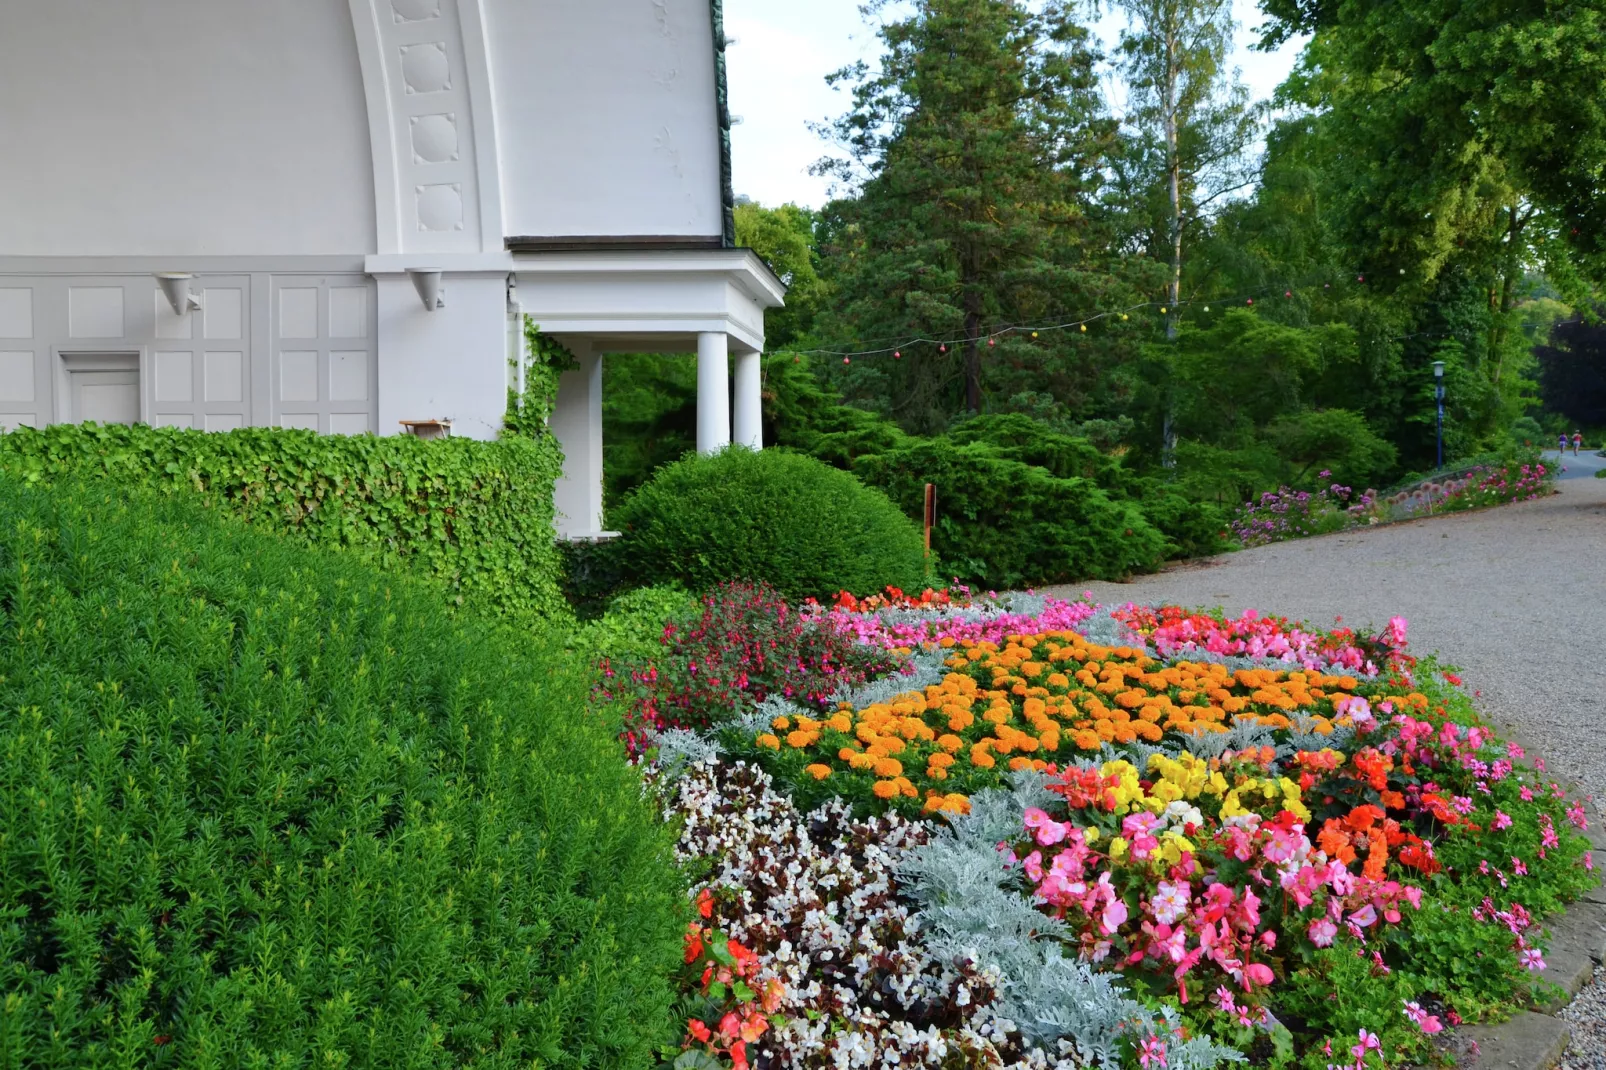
(1056, 835)
(1291, 514)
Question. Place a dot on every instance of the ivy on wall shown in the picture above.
(545, 360)
(477, 516)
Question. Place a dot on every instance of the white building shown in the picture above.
(311, 162)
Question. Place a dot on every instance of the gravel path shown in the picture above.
(1515, 597)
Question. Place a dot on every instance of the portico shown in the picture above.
(631, 299)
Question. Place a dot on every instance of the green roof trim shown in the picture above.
(727, 189)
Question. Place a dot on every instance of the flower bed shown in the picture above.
(1292, 514)
(1058, 835)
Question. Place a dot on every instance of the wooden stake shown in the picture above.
(931, 514)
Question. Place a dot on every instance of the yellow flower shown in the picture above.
(1118, 848)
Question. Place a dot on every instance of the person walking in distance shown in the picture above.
(1578, 442)
(1563, 441)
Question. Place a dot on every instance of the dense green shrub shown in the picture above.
(1003, 524)
(263, 806)
(1193, 528)
(475, 515)
(769, 516)
(633, 626)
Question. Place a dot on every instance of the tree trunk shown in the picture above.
(972, 358)
(1173, 166)
(1497, 333)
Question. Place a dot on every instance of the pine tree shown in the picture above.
(971, 150)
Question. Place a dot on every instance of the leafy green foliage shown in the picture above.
(265, 806)
(544, 359)
(772, 517)
(784, 238)
(475, 515)
(633, 625)
(1005, 524)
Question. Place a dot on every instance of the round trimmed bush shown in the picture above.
(767, 516)
(262, 806)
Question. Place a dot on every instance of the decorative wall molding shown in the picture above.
(426, 78)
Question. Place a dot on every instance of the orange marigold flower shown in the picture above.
(767, 740)
(950, 743)
(885, 789)
(888, 767)
(818, 771)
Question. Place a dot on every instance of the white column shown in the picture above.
(713, 392)
(577, 423)
(747, 421)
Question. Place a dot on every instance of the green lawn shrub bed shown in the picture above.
(262, 805)
(477, 516)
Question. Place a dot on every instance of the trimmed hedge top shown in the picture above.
(476, 515)
(769, 516)
(261, 806)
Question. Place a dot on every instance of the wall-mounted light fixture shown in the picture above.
(427, 281)
(176, 288)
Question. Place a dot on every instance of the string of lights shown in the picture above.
(991, 338)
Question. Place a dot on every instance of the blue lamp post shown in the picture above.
(1438, 392)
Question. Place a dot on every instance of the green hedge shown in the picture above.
(1003, 524)
(263, 806)
(475, 515)
(770, 516)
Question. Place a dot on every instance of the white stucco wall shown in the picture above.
(606, 116)
(182, 127)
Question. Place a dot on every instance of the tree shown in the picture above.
(1449, 108)
(1572, 371)
(1193, 120)
(971, 151)
(1191, 106)
(784, 237)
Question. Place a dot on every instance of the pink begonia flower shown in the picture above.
(1048, 830)
(1113, 917)
(1322, 932)
(1531, 959)
(1224, 999)
(1152, 1052)
(1518, 866)
(1514, 752)
(1170, 902)
(1257, 973)
(1526, 793)
(1366, 917)
(1575, 814)
(1502, 821)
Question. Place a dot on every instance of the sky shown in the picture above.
(784, 49)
